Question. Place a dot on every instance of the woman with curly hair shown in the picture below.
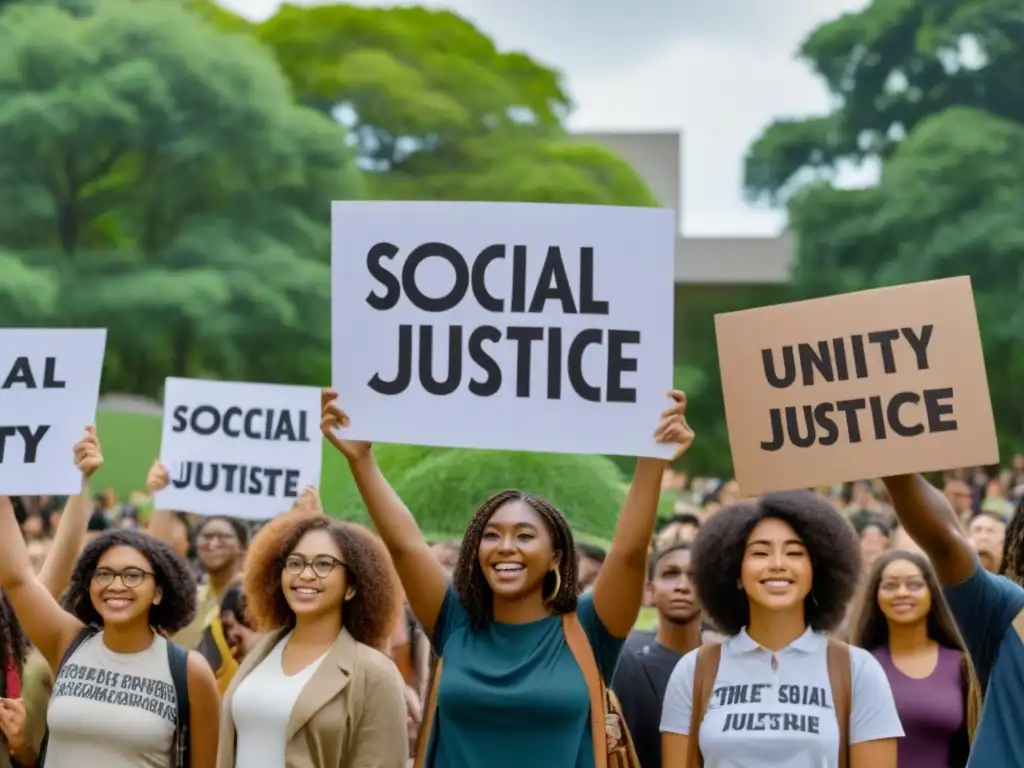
(517, 642)
(115, 698)
(318, 690)
(25, 677)
(905, 623)
(776, 575)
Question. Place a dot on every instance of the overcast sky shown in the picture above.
(719, 70)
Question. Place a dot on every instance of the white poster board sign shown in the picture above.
(511, 326)
(238, 449)
(49, 387)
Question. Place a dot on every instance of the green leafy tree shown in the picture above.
(889, 67)
(437, 112)
(929, 89)
(157, 178)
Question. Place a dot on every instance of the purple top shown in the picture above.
(931, 709)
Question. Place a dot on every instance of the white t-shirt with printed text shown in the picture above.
(780, 715)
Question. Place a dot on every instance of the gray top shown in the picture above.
(776, 710)
(112, 710)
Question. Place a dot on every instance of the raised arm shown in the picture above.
(49, 628)
(70, 537)
(423, 578)
(619, 588)
(162, 521)
(926, 515)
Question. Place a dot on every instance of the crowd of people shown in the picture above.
(874, 625)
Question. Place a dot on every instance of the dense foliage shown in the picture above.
(166, 170)
(928, 89)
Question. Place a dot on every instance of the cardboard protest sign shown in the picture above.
(49, 387)
(503, 325)
(239, 449)
(857, 386)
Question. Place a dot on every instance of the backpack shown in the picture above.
(710, 655)
(602, 703)
(177, 658)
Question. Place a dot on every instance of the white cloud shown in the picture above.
(719, 70)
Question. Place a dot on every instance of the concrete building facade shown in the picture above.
(657, 157)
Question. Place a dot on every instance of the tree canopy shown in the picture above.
(928, 89)
(166, 172)
(437, 112)
(159, 179)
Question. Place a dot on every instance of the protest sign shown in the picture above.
(503, 325)
(238, 449)
(857, 386)
(49, 387)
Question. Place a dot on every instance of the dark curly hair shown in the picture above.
(177, 606)
(830, 541)
(871, 628)
(369, 616)
(1012, 566)
(13, 643)
(468, 579)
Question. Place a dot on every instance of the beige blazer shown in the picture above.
(351, 714)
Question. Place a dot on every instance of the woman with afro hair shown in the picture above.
(512, 690)
(776, 576)
(114, 701)
(317, 690)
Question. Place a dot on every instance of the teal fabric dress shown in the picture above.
(512, 695)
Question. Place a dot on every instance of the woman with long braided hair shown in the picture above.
(508, 630)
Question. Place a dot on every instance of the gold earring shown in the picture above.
(558, 587)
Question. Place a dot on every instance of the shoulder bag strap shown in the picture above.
(84, 634)
(578, 643)
(840, 679)
(181, 749)
(423, 743)
(709, 656)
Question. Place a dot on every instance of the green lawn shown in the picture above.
(131, 441)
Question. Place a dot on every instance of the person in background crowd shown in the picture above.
(901, 540)
(220, 545)
(127, 589)
(24, 677)
(447, 554)
(318, 690)
(681, 527)
(776, 575)
(875, 538)
(509, 676)
(905, 623)
(985, 607)
(987, 534)
(642, 676)
(961, 498)
(591, 558)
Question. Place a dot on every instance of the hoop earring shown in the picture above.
(558, 586)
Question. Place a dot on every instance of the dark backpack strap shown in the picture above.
(84, 634)
(181, 748)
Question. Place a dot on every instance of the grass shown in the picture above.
(131, 441)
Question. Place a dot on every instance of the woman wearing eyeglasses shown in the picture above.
(318, 690)
(123, 696)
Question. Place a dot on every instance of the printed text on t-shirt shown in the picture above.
(755, 693)
(94, 684)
